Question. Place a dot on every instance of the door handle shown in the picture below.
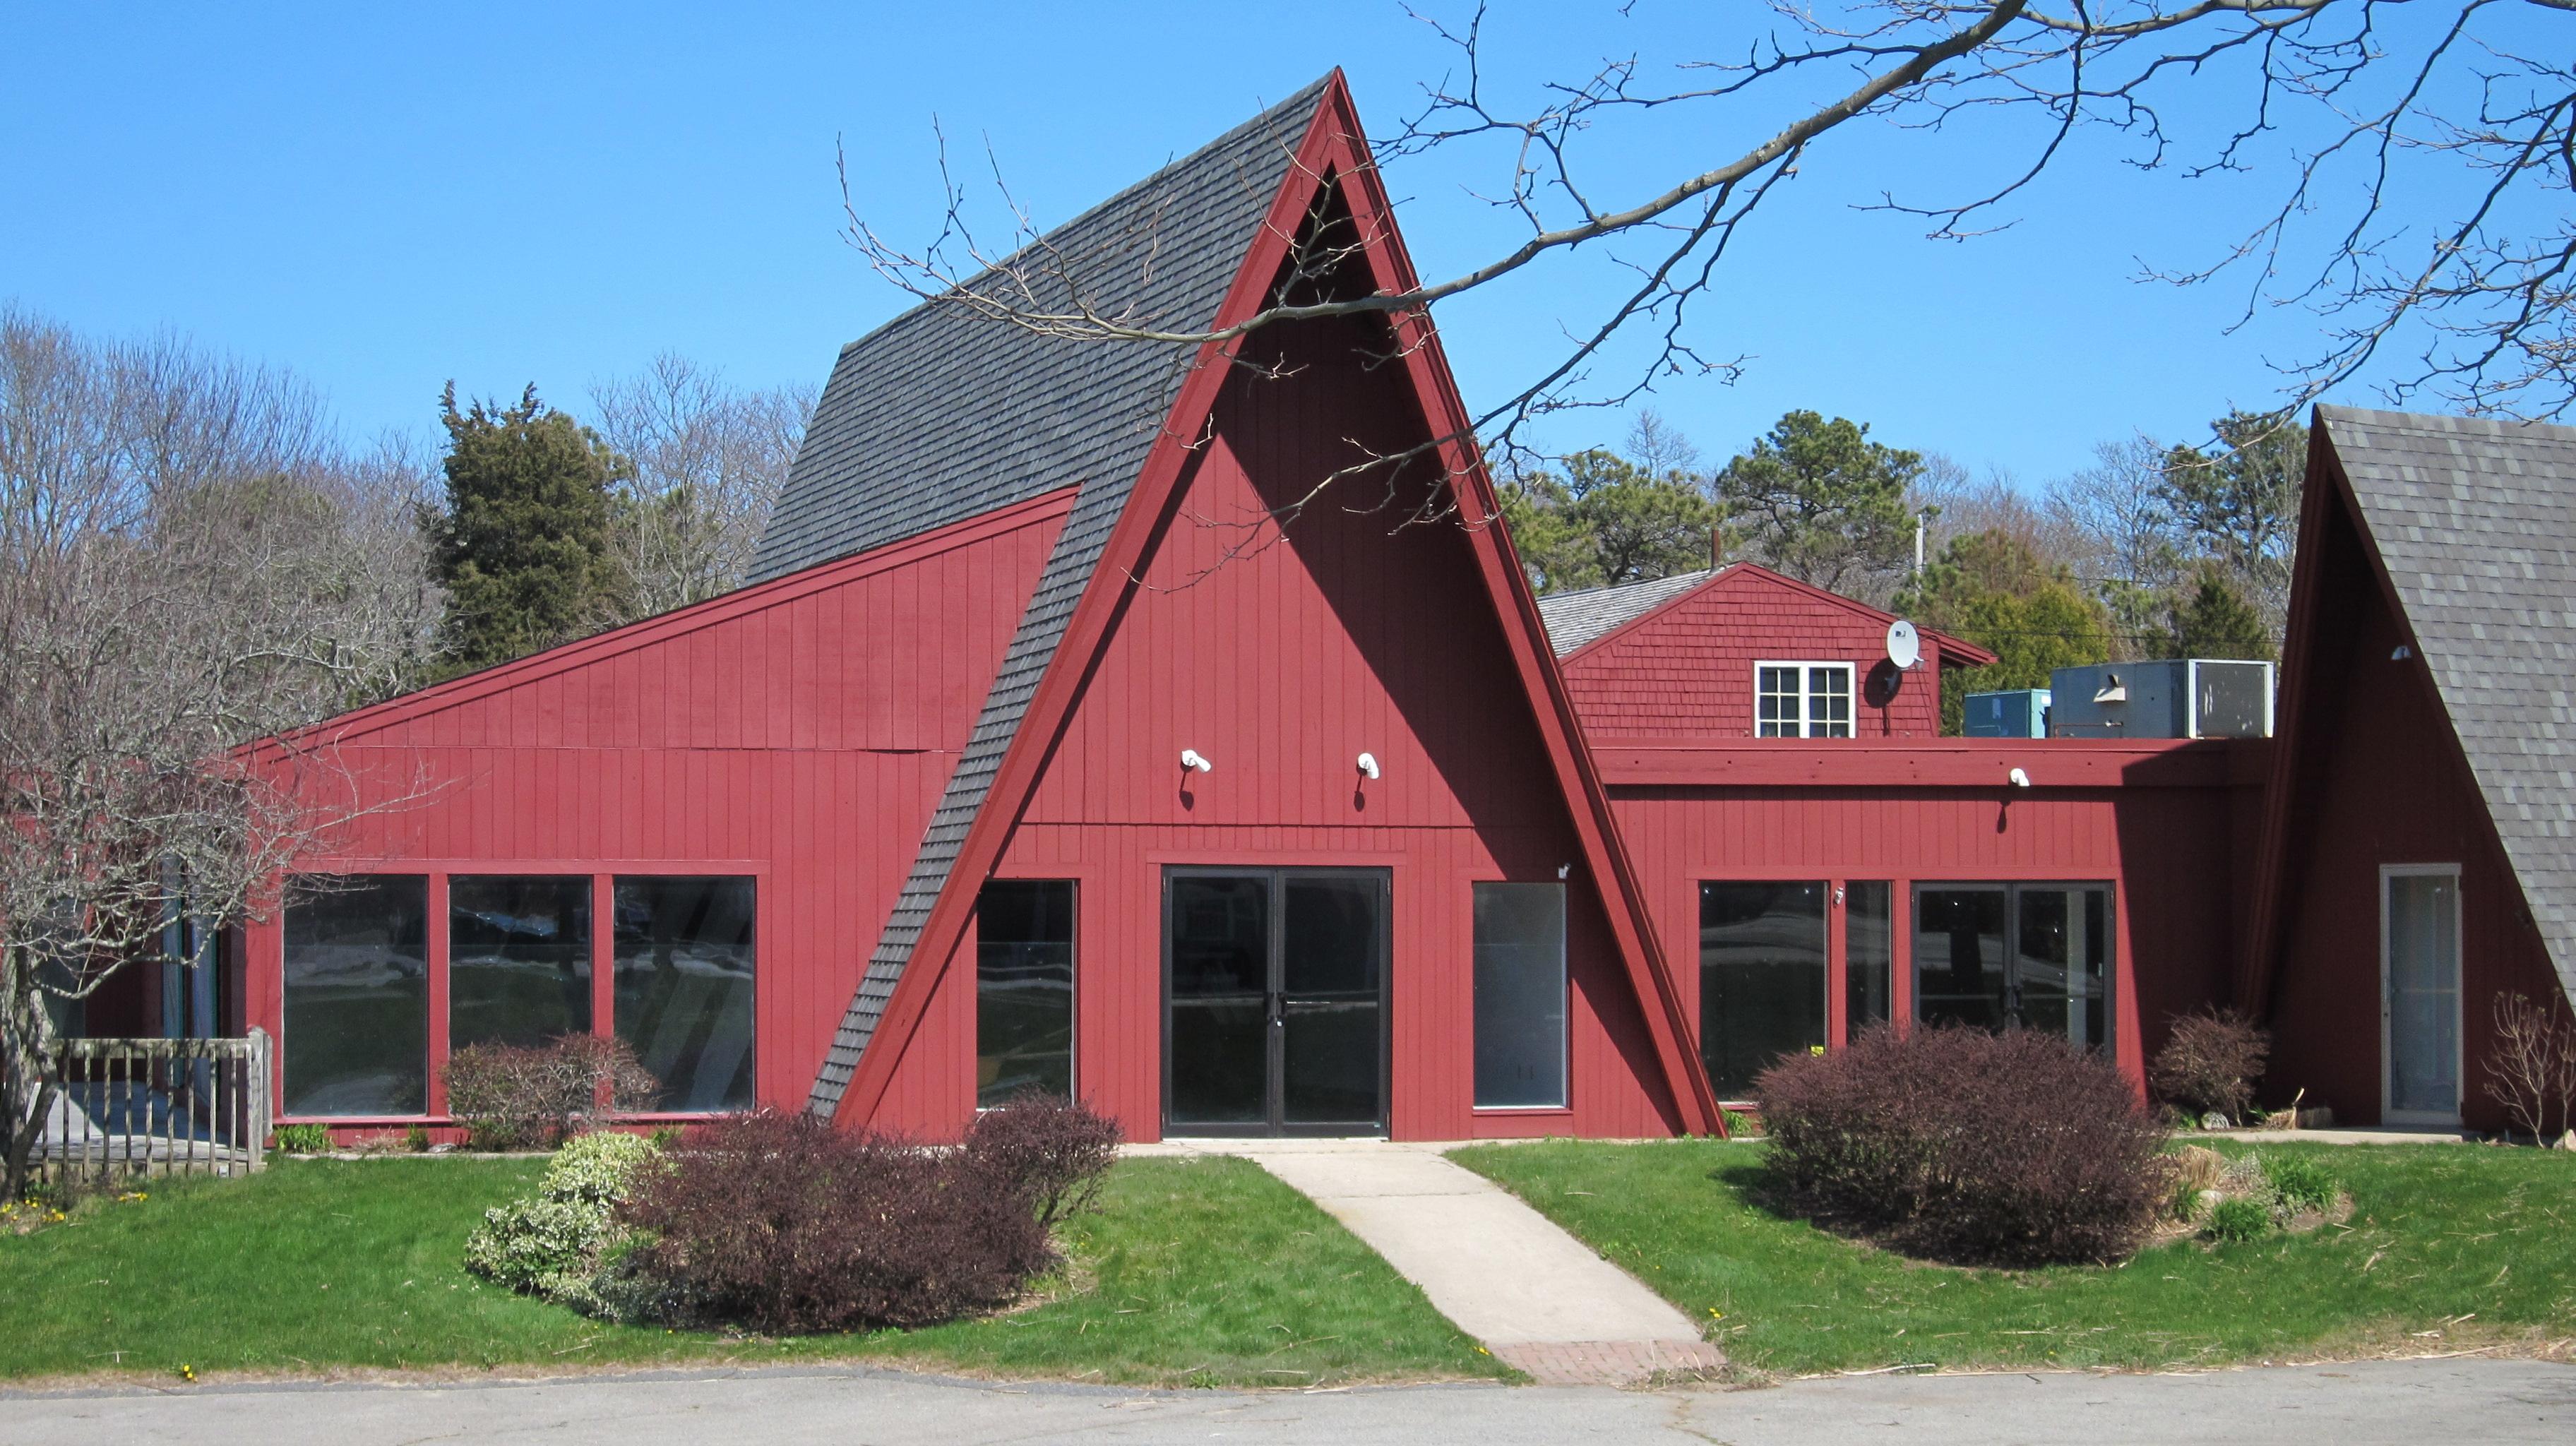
(1277, 1004)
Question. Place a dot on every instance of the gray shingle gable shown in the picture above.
(1576, 618)
(2475, 521)
(942, 414)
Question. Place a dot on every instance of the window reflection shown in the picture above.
(683, 986)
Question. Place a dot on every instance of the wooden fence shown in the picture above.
(159, 1107)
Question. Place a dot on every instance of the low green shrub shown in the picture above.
(303, 1139)
(557, 1243)
(2237, 1219)
(2302, 1181)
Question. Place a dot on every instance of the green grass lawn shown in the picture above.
(1192, 1272)
(2449, 1247)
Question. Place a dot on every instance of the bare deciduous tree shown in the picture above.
(2121, 538)
(186, 565)
(2531, 1064)
(2412, 163)
(709, 460)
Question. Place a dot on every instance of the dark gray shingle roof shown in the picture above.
(1576, 618)
(942, 414)
(2476, 523)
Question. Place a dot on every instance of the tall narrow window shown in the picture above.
(1761, 977)
(518, 959)
(683, 987)
(1802, 700)
(1869, 957)
(357, 996)
(1520, 995)
(1023, 989)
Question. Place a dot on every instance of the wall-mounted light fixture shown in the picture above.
(1191, 760)
(2020, 779)
(1368, 765)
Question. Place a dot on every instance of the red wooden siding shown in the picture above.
(2378, 778)
(1685, 670)
(2169, 824)
(800, 731)
(1281, 660)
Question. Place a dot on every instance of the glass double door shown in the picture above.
(1274, 988)
(2030, 956)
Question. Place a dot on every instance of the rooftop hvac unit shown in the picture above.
(2165, 698)
(2017, 713)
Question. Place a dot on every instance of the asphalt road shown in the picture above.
(2466, 1400)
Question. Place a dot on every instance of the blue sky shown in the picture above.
(384, 198)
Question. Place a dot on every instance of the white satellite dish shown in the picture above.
(1904, 648)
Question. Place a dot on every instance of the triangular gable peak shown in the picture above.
(2466, 529)
(1331, 170)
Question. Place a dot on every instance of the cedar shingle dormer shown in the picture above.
(1680, 657)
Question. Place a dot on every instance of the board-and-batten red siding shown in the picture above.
(1282, 661)
(1686, 669)
(801, 730)
(2379, 779)
(2170, 839)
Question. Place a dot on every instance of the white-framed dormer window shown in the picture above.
(1802, 700)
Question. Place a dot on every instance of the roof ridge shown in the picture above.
(1301, 100)
(1575, 592)
(2445, 423)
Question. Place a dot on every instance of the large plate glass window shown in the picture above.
(2033, 956)
(683, 987)
(1802, 700)
(518, 959)
(1520, 995)
(1023, 989)
(1762, 977)
(357, 996)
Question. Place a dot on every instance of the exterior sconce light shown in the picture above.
(2020, 779)
(1191, 760)
(1368, 765)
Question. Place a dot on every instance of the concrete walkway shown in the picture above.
(1538, 1298)
(2363, 1404)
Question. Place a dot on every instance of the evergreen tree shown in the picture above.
(1818, 500)
(1993, 590)
(523, 545)
(2239, 503)
(1606, 520)
(2217, 622)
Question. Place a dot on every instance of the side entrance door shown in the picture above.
(2419, 925)
(1274, 990)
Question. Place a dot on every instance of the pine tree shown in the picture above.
(1606, 520)
(523, 545)
(1818, 500)
(1993, 590)
(2217, 622)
